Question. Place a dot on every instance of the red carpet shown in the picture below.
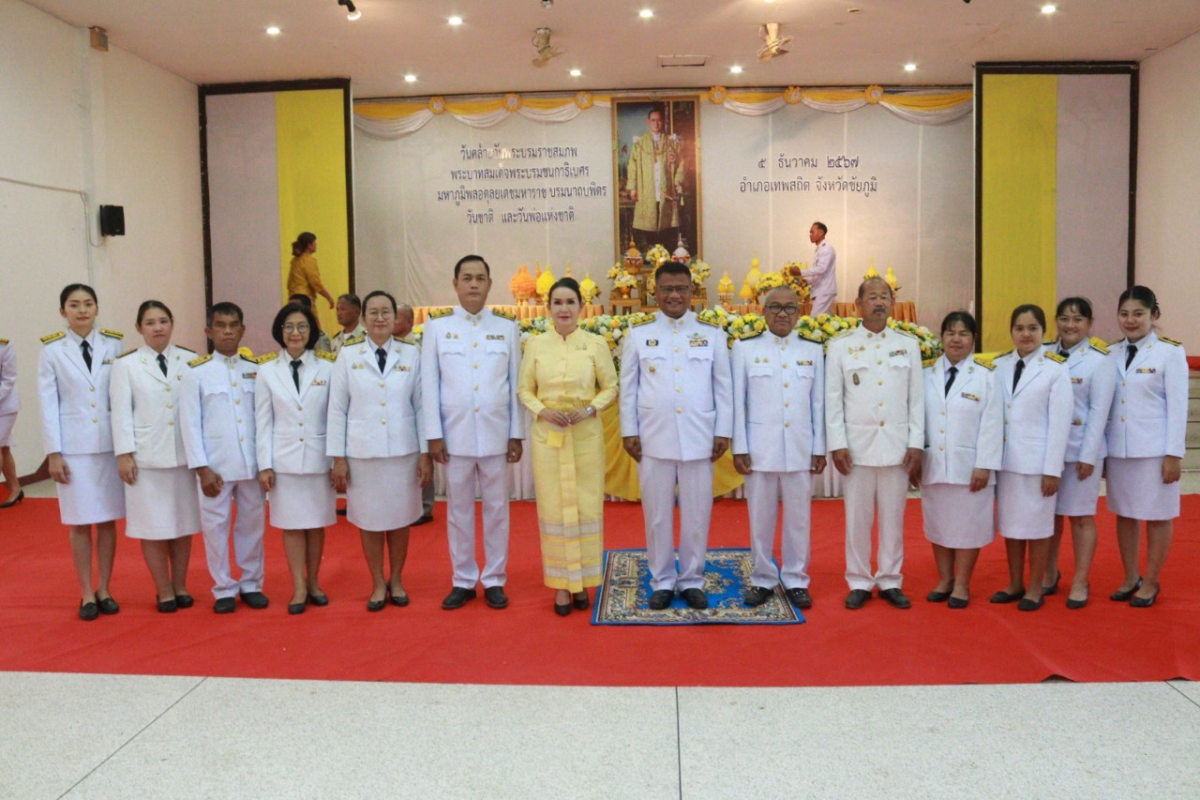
(527, 644)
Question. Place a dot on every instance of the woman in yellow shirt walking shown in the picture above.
(304, 277)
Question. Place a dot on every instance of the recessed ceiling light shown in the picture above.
(910, 67)
(645, 13)
(410, 78)
(575, 73)
(455, 20)
(353, 15)
(735, 69)
(273, 31)
(1049, 8)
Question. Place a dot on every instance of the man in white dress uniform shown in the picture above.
(875, 434)
(822, 275)
(470, 358)
(349, 316)
(676, 420)
(779, 443)
(216, 413)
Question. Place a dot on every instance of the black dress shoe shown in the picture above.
(256, 600)
(400, 600)
(937, 597)
(424, 519)
(168, 606)
(458, 598)
(660, 599)
(1030, 605)
(800, 597)
(108, 606)
(298, 608)
(1052, 589)
(857, 599)
(1005, 597)
(377, 605)
(1143, 602)
(563, 609)
(320, 600)
(757, 595)
(495, 596)
(695, 598)
(225, 605)
(1075, 605)
(958, 602)
(895, 598)
(581, 600)
(88, 611)
(185, 600)
(1123, 596)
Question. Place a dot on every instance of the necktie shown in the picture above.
(87, 353)
(950, 375)
(1063, 353)
(1130, 352)
(1017, 373)
(381, 357)
(162, 364)
(296, 373)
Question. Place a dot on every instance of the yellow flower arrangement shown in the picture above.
(769, 281)
(700, 273)
(657, 256)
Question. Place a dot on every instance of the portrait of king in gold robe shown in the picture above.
(655, 166)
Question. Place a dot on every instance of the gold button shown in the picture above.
(474, 366)
(1122, 400)
(881, 423)
(91, 388)
(943, 430)
(172, 424)
(93, 405)
(234, 383)
(941, 448)
(787, 424)
(301, 424)
(678, 410)
(879, 362)
(943, 413)
(93, 420)
(474, 344)
(477, 388)
(168, 388)
(870, 336)
(881, 402)
(299, 408)
(241, 438)
(1010, 405)
(1122, 419)
(678, 389)
(676, 349)
(383, 422)
(677, 369)
(383, 402)
(786, 405)
(785, 384)
(237, 402)
(170, 405)
(476, 409)
(302, 438)
(239, 420)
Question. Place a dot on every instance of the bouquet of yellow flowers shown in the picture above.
(931, 346)
(532, 327)
(620, 277)
(657, 256)
(700, 273)
(769, 281)
(610, 328)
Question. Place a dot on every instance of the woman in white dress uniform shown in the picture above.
(10, 404)
(73, 373)
(1146, 438)
(291, 406)
(375, 438)
(1092, 381)
(162, 509)
(1037, 420)
(964, 444)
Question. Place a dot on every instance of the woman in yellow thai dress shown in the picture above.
(567, 379)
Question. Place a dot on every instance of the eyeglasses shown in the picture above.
(673, 289)
(791, 309)
(301, 328)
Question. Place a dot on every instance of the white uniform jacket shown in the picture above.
(874, 396)
(375, 414)
(778, 402)
(823, 272)
(145, 406)
(216, 412)
(676, 387)
(10, 398)
(1149, 410)
(1093, 382)
(469, 369)
(1037, 417)
(76, 411)
(290, 425)
(964, 430)
(341, 337)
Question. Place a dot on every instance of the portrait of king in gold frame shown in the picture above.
(656, 165)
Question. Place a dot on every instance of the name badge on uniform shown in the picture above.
(1076, 380)
(804, 363)
(1146, 370)
(652, 343)
(356, 365)
(249, 375)
(319, 383)
(495, 337)
(970, 397)
(401, 368)
(107, 361)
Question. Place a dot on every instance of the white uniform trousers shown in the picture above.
(492, 473)
(869, 489)
(215, 513)
(822, 304)
(763, 493)
(658, 478)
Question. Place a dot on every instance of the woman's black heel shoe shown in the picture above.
(581, 600)
(12, 501)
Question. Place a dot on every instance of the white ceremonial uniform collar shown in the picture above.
(944, 364)
(870, 334)
(459, 311)
(91, 338)
(779, 341)
(688, 317)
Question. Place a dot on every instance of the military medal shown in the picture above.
(856, 379)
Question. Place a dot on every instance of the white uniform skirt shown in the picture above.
(1021, 510)
(6, 427)
(302, 502)
(383, 493)
(956, 517)
(1077, 498)
(95, 493)
(1136, 489)
(162, 504)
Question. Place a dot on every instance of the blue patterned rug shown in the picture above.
(626, 588)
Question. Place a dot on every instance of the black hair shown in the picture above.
(150, 305)
(72, 289)
(862, 287)
(661, 108)
(229, 309)
(353, 300)
(566, 283)
(314, 332)
(1142, 294)
(672, 268)
(466, 259)
(302, 299)
(821, 225)
(302, 242)
(381, 293)
(965, 318)
(1028, 308)
(1080, 304)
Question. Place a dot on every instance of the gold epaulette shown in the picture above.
(53, 337)
(1055, 357)
(929, 362)
(325, 354)
(1170, 341)
(840, 334)
(502, 312)
(130, 351)
(984, 362)
(186, 349)
(3, 341)
(1098, 344)
(402, 340)
(647, 320)
(703, 321)
(251, 359)
(354, 340)
(749, 336)
(266, 358)
(438, 313)
(903, 332)
(195, 362)
(111, 334)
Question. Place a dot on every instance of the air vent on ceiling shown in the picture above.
(667, 62)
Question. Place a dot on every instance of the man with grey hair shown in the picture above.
(349, 315)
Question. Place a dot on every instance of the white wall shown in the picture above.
(1168, 227)
(124, 132)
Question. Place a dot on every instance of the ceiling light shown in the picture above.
(273, 31)
(910, 67)
(1049, 8)
(410, 78)
(455, 20)
(575, 73)
(645, 13)
(352, 13)
(735, 69)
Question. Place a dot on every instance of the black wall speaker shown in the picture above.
(112, 220)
